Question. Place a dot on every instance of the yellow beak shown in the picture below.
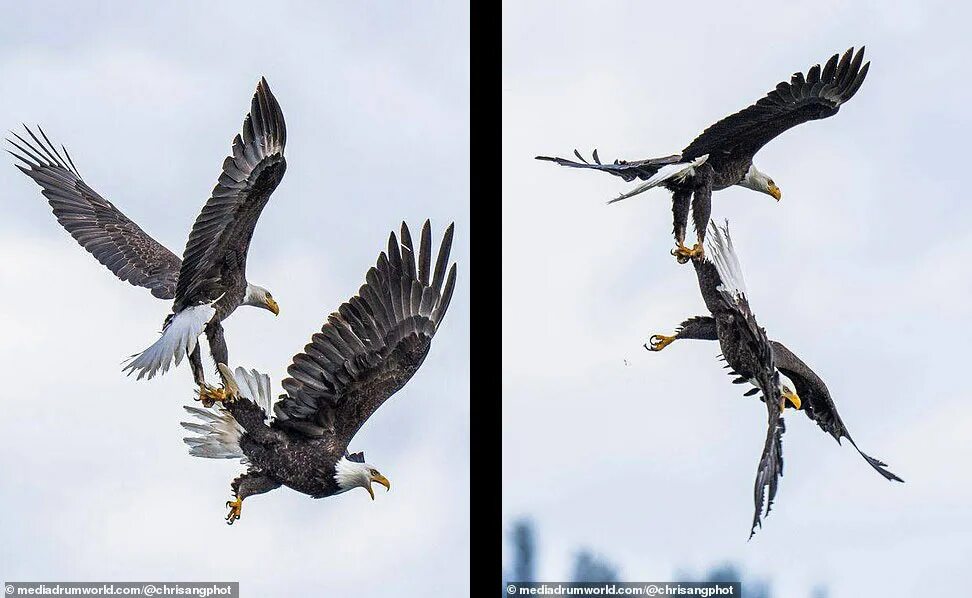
(793, 399)
(272, 306)
(775, 192)
(381, 480)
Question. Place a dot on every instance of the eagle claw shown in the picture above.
(657, 342)
(210, 395)
(683, 254)
(236, 507)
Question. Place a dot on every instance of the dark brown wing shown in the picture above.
(816, 95)
(817, 403)
(93, 221)
(373, 344)
(770, 468)
(225, 226)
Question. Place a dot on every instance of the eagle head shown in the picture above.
(351, 471)
(258, 296)
(760, 181)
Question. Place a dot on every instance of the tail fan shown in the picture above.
(720, 251)
(178, 340)
(218, 436)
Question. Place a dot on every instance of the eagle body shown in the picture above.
(290, 459)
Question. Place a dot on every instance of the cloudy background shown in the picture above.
(96, 483)
(862, 269)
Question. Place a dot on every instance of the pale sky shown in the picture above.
(862, 269)
(97, 483)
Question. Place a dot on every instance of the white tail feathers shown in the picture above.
(256, 387)
(218, 436)
(719, 251)
(178, 340)
(679, 172)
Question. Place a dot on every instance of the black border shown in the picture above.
(485, 178)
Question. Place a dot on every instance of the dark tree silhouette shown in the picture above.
(589, 568)
(524, 551)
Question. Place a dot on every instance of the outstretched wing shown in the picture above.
(225, 226)
(373, 344)
(93, 221)
(818, 94)
(816, 401)
(629, 171)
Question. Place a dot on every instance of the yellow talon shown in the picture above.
(657, 342)
(209, 395)
(683, 254)
(236, 508)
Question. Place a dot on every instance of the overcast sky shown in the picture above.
(862, 269)
(97, 484)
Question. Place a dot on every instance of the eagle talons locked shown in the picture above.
(236, 509)
(210, 395)
(657, 342)
(683, 254)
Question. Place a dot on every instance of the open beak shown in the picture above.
(383, 481)
(272, 306)
(792, 399)
(775, 192)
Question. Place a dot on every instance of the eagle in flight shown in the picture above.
(722, 155)
(209, 282)
(757, 360)
(366, 351)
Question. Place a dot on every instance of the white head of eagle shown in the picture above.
(351, 471)
(258, 296)
(760, 181)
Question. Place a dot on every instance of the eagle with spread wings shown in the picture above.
(722, 155)
(209, 282)
(755, 359)
(366, 351)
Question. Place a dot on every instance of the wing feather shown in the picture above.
(817, 95)
(94, 222)
(373, 344)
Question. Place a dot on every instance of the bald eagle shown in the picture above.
(757, 360)
(209, 282)
(722, 155)
(366, 351)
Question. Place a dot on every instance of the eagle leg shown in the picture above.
(657, 342)
(236, 508)
(247, 484)
(195, 363)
